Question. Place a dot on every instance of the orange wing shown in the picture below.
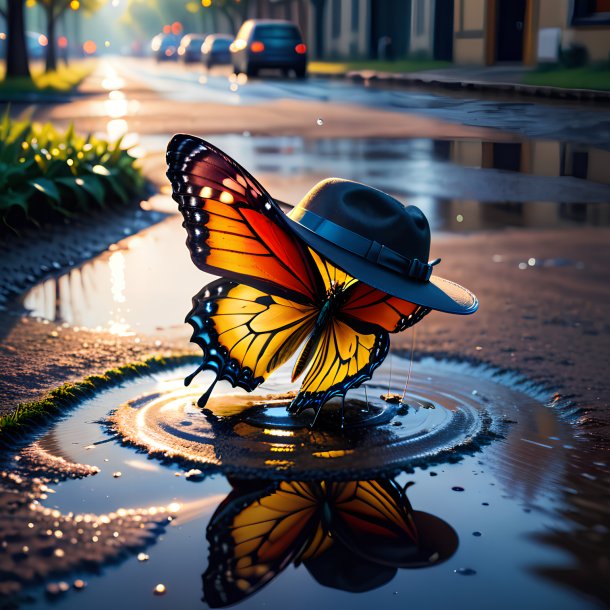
(253, 537)
(367, 305)
(235, 229)
(374, 519)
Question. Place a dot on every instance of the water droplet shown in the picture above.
(465, 571)
(485, 503)
(459, 218)
(59, 553)
(522, 265)
(477, 534)
(117, 474)
(159, 589)
(143, 557)
(320, 122)
(531, 262)
(433, 474)
(457, 488)
(79, 584)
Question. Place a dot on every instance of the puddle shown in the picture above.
(491, 184)
(143, 284)
(448, 519)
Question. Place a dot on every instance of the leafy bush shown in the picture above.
(46, 174)
(574, 56)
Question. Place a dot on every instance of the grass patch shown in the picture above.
(46, 174)
(68, 395)
(62, 80)
(401, 65)
(588, 77)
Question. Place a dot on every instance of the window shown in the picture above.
(336, 18)
(591, 12)
(355, 15)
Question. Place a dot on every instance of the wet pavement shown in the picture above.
(519, 214)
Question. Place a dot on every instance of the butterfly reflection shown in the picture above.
(350, 535)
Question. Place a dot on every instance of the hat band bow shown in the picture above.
(366, 248)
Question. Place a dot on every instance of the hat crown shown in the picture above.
(370, 213)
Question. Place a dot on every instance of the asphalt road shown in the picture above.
(569, 121)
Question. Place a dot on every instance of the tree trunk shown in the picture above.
(51, 45)
(230, 19)
(16, 52)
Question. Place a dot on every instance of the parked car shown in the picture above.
(165, 47)
(215, 50)
(190, 47)
(269, 43)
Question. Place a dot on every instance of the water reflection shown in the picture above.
(352, 536)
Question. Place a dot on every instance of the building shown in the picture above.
(492, 31)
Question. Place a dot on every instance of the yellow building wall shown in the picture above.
(596, 39)
(469, 32)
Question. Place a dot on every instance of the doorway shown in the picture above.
(443, 30)
(510, 30)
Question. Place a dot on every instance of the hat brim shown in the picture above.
(438, 293)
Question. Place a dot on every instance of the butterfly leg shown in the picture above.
(313, 423)
(342, 411)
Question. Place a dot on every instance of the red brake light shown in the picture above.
(301, 49)
(257, 47)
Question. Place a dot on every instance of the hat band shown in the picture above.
(366, 248)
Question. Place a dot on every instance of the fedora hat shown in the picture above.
(377, 240)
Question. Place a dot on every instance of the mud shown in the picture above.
(38, 543)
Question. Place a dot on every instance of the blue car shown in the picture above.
(269, 43)
(215, 50)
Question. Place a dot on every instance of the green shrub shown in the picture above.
(47, 174)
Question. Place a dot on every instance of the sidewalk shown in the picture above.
(492, 79)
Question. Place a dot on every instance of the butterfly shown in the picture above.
(277, 294)
(260, 529)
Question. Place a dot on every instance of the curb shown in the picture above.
(410, 79)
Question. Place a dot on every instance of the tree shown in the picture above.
(54, 9)
(235, 11)
(17, 64)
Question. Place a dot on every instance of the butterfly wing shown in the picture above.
(367, 306)
(343, 358)
(254, 536)
(244, 333)
(235, 229)
(354, 342)
(374, 519)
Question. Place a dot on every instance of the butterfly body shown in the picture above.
(279, 294)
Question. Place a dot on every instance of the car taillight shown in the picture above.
(257, 47)
(301, 49)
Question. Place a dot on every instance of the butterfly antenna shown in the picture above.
(410, 364)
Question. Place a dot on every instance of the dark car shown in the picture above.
(269, 43)
(190, 47)
(165, 46)
(215, 50)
